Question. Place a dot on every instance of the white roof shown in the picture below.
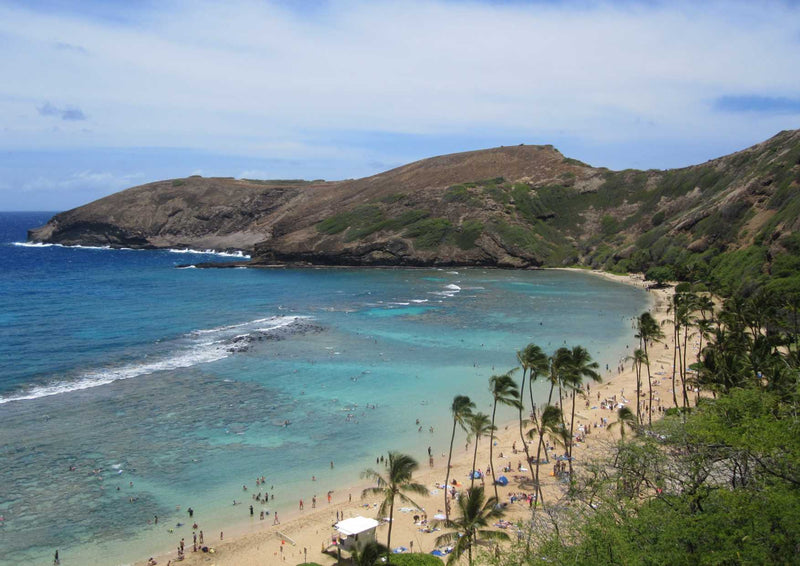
(355, 525)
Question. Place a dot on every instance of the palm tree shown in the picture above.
(479, 425)
(369, 554)
(551, 420)
(504, 391)
(580, 366)
(461, 409)
(476, 513)
(638, 359)
(535, 362)
(625, 418)
(647, 330)
(399, 468)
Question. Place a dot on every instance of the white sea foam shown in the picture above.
(44, 245)
(199, 354)
(419, 300)
(237, 254)
(449, 291)
(275, 322)
(216, 344)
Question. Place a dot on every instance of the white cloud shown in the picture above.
(252, 77)
(85, 181)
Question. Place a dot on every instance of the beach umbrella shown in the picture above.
(502, 480)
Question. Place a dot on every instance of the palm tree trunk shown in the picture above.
(684, 367)
(521, 432)
(491, 451)
(389, 534)
(474, 460)
(447, 473)
(650, 387)
(571, 435)
(675, 344)
(639, 390)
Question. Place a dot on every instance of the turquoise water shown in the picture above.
(179, 381)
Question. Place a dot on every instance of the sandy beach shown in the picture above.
(303, 535)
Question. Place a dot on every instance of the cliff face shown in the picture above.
(514, 206)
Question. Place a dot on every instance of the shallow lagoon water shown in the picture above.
(180, 381)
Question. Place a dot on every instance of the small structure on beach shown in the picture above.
(355, 532)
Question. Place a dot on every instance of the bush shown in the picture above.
(430, 232)
(468, 233)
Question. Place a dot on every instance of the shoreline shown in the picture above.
(302, 534)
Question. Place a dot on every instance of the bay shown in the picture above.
(131, 388)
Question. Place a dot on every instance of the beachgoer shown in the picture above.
(56, 559)
(301, 505)
(221, 535)
(276, 521)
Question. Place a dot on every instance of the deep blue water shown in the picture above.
(129, 370)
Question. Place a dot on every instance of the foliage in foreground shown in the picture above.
(723, 488)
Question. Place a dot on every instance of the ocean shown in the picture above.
(130, 387)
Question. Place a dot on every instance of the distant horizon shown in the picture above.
(102, 96)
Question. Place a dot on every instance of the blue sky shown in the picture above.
(98, 95)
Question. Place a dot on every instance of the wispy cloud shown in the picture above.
(68, 113)
(61, 46)
(763, 104)
(352, 84)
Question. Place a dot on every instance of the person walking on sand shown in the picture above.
(276, 521)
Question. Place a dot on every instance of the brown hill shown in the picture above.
(508, 206)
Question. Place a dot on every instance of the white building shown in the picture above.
(355, 532)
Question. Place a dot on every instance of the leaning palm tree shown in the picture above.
(461, 409)
(534, 362)
(648, 330)
(504, 392)
(479, 425)
(476, 514)
(399, 469)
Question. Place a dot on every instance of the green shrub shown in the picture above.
(430, 232)
(457, 193)
(609, 225)
(467, 234)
